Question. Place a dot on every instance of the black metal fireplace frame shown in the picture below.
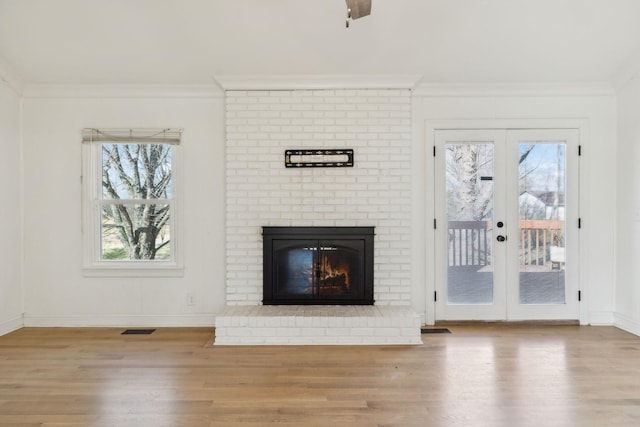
(271, 234)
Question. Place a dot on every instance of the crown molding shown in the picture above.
(10, 78)
(513, 90)
(224, 83)
(628, 72)
(294, 82)
(122, 91)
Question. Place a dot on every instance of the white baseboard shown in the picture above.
(627, 323)
(51, 321)
(601, 318)
(11, 325)
(208, 320)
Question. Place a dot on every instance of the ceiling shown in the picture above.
(194, 41)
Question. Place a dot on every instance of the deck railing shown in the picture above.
(537, 237)
(469, 242)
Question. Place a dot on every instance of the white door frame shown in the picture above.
(430, 127)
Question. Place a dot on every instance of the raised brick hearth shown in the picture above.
(318, 325)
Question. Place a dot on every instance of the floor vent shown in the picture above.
(138, 332)
(435, 331)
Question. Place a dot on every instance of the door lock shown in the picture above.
(501, 238)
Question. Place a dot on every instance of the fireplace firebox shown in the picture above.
(318, 265)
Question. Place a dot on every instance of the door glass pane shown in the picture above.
(469, 187)
(542, 223)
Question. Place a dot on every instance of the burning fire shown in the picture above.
(330, 274)
(334, 279)
(318, 271)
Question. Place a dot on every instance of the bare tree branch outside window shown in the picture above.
(136, 206)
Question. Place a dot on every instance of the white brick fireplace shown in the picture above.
(260, 191)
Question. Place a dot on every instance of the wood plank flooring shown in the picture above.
(479, 375)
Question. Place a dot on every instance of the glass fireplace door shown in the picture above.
(294, 268)
(339, 268)
(318, 265)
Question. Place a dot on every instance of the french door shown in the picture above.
(506, 224)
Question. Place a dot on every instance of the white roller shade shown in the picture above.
(132, 136)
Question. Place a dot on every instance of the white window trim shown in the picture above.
(93, 266)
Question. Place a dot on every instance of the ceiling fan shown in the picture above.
(357, 9)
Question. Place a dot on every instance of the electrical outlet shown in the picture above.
(191, 300)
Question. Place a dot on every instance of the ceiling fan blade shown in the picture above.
(359, 8)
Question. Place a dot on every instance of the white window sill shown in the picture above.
(120, 270)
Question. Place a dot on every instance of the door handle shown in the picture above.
(501, 238)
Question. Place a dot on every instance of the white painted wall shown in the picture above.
(628, 208)
(596, 113)
(57, 294)
(10, 227)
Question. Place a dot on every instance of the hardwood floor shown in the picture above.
(479, 375)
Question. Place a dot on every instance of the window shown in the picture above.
(131, 211)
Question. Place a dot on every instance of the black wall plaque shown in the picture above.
(335, 158)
